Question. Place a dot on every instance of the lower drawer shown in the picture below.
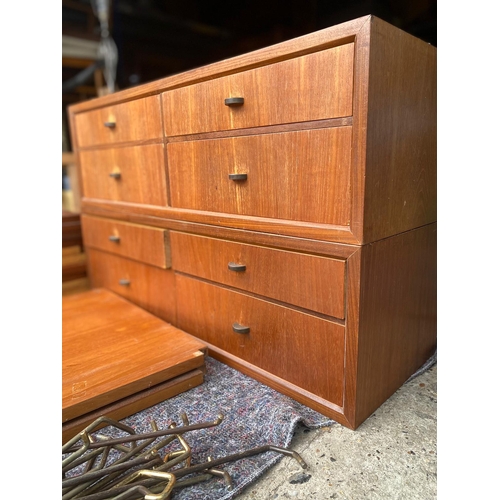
(149, 287)
(302, 349)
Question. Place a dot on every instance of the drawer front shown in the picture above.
(137, 120)
(132, 174)
(149, 287)
(149, 245)
(308, 281)
(302, 349)
(311, 87)
(302, 176)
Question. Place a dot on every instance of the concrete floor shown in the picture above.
(391, 456)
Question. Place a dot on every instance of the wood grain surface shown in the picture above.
(397, 314)
(285, 172)
(307, 281)
(149, 287)
(134, 403)
(332, 36)
(112, 349)
(335, 221)
(71, 229)
(77, 285)
(136, 120)
(401, 148)
(158, 218)
(312, 87)
(305, 350)
(142, 174)
(167, 215)
(74, 263)
(145, 244)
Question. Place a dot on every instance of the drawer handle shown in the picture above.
(240, 328)
(115, 175)
(114, 239)
(232, 266)
(124, 282)
(238, 177)
(234, 101)
(110, 124)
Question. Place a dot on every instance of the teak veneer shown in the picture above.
(281, 207)
(117, 356)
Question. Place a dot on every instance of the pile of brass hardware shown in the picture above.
(140, 466)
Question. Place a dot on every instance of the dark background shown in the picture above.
(157, 38)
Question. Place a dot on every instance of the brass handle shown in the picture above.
(115, 175)
(124, 282)
(114, 239)
(232, 266)
(240, 328)
(238, 177)
(110, 124)
(234, 101)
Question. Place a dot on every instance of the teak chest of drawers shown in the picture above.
(281, 207)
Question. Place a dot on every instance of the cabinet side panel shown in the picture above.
(398, 314)
(400, 189)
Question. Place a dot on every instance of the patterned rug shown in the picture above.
(254, 415)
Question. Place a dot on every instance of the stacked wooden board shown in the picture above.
(118, 359)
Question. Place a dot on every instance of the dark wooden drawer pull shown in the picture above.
(115, 175)
(240, 328)
(238, 268)
(110, 124)
(124, 282)
(234, 101)
(114, 239)
(238, 177)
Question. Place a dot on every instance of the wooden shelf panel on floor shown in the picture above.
(117, 356)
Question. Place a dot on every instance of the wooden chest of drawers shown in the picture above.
(281, 207)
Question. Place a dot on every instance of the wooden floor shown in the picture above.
(118, 359)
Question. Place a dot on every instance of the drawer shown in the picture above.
(137, 120)
(304, 350)
(133, 174)
(311, 87)
(308, 281)
(149, 245)
(147, 286)
(301, 176)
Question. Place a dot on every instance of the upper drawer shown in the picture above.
(308, 281)
(135, 174)
(302, 176)
(311, 87)
(143, 243)
(137, 120)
